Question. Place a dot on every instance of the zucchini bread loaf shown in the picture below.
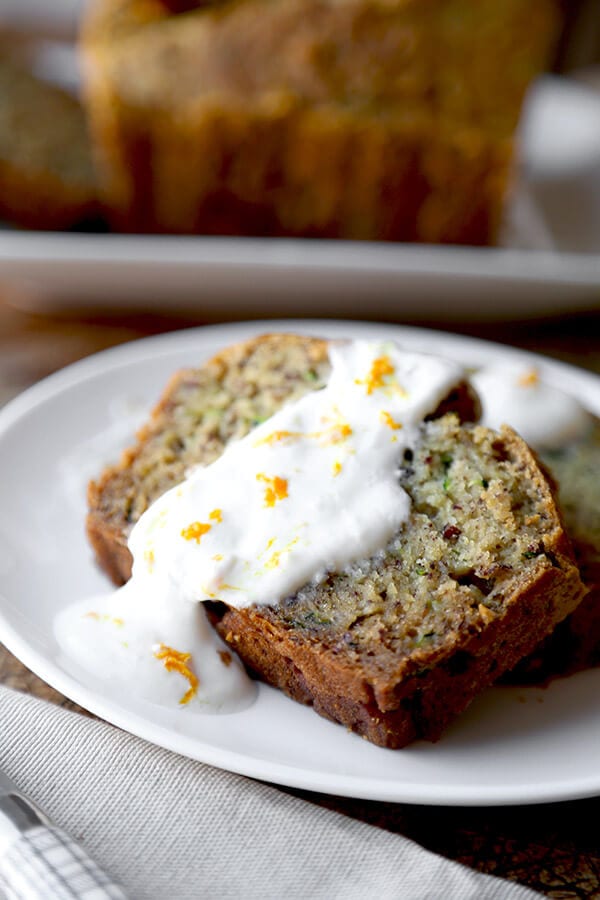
(356, 119)
(396, 645)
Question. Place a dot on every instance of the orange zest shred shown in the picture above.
(276, 489)
(280, 436)
(275, 559)
(335, 434)
(195, 531)
(176, 661)
(381, 376)
(387, 419)
(104, 617)
(221, 586)
(216, 515)
(336, 468)
(381, 368)
(528, 379)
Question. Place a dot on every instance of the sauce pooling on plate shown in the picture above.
(309, 491)
(545, 416)
(145, 640)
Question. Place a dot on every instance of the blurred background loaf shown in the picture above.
(357, 119)
(47, 178)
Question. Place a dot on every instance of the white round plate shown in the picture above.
(512, 746)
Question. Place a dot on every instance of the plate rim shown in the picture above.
(309, 254)
(211, 278)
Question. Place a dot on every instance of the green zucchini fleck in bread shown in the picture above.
(398, 645)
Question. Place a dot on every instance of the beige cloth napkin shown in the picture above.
(166, 826)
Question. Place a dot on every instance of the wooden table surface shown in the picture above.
(552, 848)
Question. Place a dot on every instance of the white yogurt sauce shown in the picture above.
(145, 639)
(544, 416)
(311, 490)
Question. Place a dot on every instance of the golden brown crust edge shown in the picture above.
(429, 700)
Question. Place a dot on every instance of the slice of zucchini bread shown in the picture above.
(397, 645)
